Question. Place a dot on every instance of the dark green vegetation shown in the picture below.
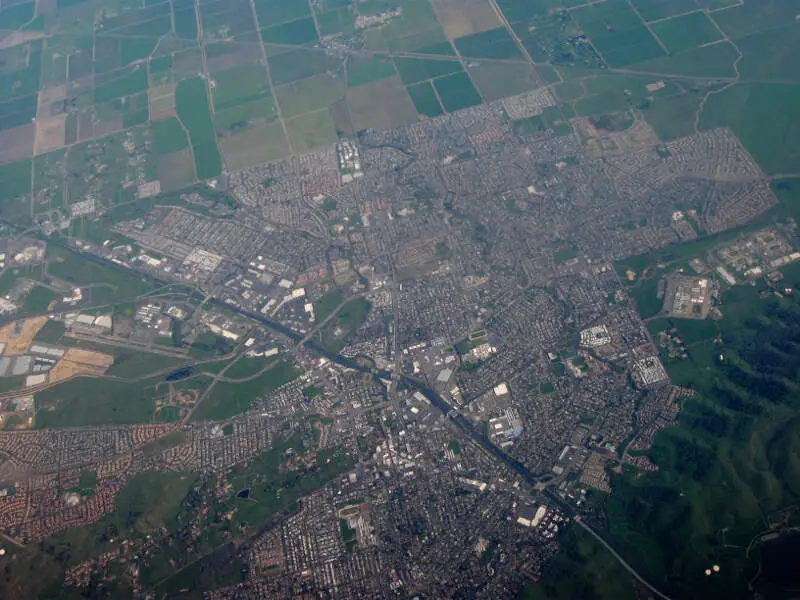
(268, 486)
(191, 102)
(457, 92)
(51, 332)
(149, 501)
(728, 471)
(132, 363)
(414, 70)
(169, 136)
(424, 98)
(583, 569)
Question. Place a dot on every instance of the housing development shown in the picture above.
(413, 299)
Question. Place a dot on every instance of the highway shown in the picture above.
(432, 396)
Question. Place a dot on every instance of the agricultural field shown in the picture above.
(261, 85)
(74, 79)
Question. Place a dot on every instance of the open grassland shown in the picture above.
(310, 94)
(85, 402)
(617, 31)
(227, 399)
(686, 31)
(311, 130)
(254, 145)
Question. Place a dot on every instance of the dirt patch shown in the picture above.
(15, 38)
(17, 336)
(176, 170)
(464, 17)
(78, 361)
(380, 105)
(48, 95)
(17, 143)
(162, 101)
(50, 134)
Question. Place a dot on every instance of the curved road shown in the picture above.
(435, 399)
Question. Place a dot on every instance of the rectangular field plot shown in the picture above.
(274, 12)
(239, 85)
(414, 70)
(415, 27)
(169, 136)
(226, 18)
(308, 95)
(176, 170)
(254, 146)
(652, 10)
(425, 100)
(361, 71)
(617, 32)
(457, 92)
(686, 32)
(338, 20)
(125, 83)
(299, 32)
(16, 16)
(381, 105)
(495, 43)
(298, 64)
(754, 17)
(18, 143)
(465, 17)
(17, 112)
(191, 103)
(500, 80)
(311, 130)
(242, 115)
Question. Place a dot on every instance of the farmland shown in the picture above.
(93, 75)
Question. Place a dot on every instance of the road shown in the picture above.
(433, 397)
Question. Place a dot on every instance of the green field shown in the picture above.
(425, 100)
(191, 102)
(495, 43)
(652, 10)
(120, 285)
(617, 32)
(169, 136)
(239, 85)
(148, 501)
(228, 399)
(457, 92)
(301, 31)
(762, 116)
(335, 335)
(310, 94)
(311, 130)
(86, 402)
(15, 179)
(686, 32)
(131, 363)
(414, 70)
(360, 72)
